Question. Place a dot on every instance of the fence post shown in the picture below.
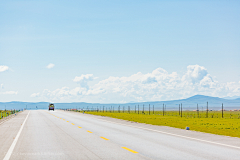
(197, 111)
(149, 109)
(207, 109)
(138, 109)
(181, 109)
(143, 109)
(163, 109)
(222, 110)
(153, 109)
(135, 108)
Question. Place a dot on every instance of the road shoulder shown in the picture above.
(9, 130)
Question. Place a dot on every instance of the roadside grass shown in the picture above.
(6, 113)
(215, 124)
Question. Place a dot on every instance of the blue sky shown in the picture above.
(98, 46)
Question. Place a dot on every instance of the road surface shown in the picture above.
(41, 134)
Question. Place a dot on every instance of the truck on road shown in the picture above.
(51, 107)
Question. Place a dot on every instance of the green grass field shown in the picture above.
(5, 113)
(229, 125)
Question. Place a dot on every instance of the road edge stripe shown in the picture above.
(172, 134)
(10, 150)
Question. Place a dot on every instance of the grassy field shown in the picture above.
(5, 113)
(198, 121)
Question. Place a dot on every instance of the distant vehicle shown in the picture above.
(51, 107)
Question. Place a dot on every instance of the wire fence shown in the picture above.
(198, 112)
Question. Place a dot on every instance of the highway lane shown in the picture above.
(70, 135)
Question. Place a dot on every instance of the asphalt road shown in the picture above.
(70, 135)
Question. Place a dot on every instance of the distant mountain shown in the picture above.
(188, 103)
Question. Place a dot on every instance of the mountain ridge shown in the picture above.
(189, 102)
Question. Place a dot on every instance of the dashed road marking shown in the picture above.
(172, 134)
(89, 131)
(72, 123)
(104, 138)
(130, 150)
(79, 127)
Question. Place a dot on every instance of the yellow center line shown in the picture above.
(89, 131)
(129, 150)
(104, 138)
(67, 121)
(63, 119)
(79, 127)
(73, 124)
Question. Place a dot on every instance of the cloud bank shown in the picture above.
(9, 92)
(155, 86)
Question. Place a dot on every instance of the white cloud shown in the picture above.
(35, 95)
(84, 79)
(155, 86)
(50, 65)
(9, 92)
(3, 68)
(195, 73)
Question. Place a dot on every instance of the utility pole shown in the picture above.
(153, 109)
(138, 109)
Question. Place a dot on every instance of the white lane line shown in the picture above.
(172, 134)
(9, 153)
